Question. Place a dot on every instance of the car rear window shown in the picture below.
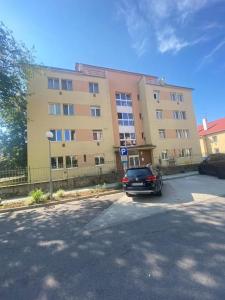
(138, 172)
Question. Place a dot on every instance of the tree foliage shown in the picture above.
(15, 61)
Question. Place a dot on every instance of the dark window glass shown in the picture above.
(138, 172)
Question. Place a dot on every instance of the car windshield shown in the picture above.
(138, 172)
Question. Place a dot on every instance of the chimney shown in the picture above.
(205, 124)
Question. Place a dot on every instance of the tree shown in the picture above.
(15, 71)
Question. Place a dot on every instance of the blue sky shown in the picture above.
(182, 40)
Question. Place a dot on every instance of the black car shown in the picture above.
(142, 180)
(214, 165)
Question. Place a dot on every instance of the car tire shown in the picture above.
(128, 195)
(221, 175)
(200, 171)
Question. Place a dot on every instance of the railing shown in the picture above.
(11, 177)
(35, 175)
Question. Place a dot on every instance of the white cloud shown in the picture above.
(161, 21)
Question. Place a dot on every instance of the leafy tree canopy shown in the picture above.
(15, 61)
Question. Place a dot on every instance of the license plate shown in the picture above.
(137, 184)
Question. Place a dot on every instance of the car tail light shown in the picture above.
(125, 180)
(151, 178)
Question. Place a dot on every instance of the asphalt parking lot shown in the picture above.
(177, 252)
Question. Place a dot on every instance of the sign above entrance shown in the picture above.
(123, 151)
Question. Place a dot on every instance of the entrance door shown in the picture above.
(134, 161)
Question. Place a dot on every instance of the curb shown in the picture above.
(180, 176)
(53, 203)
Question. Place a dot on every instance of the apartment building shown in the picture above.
(92, 111)
(212, 136)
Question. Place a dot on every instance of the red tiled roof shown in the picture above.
(213, 127)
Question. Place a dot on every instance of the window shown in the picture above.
(71, 161)
(188, 152)
(57, 162)
(180, 97)
(156, 95)
(123, 99)
(176, 115)
(182, 153)
(216, 150)
(68, 109)
(164, 154)
(125, 119)
(182, 115)
(57, 135)
(173, 96)
(93, 87)
(97, 135)
(162, 133)
(66, 84)
(127, 139)
(179, 133)
(69, 135)
(54, 109)
(159, 114)
(95, 111)
(85, 157)
(53, 83)
(214, 139)
(185, 152)
(99, 160)
(186, 133)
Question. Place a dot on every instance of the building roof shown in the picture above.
(213, 127)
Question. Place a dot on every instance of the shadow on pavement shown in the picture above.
(175, 255)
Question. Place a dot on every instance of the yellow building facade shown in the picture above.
(93, 111)
(212, 137)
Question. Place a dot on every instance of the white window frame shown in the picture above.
(164, 155)
(71, 159)
(180, 97)
(129, 140)
(94, 110)
(93, 87)
(186, 133)
(176, 114)
(68, 105)
(214, 139)
(123, 99)
(173, 96)
(162, 134)
(99, 135)
(156, 95)
(57, 163)
(54, 105)
(56, 135)
(126, 121)
(67, 84)
(70, 135)
(54, 80)
(159, 114)
(179, 133)
(183, 115)
(100, 157)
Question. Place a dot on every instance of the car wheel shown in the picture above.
(159, 192)
(221, 175)
(128, 195)
(200, 171)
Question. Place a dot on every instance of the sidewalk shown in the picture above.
(107, 186)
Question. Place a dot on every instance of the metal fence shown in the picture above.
(36, 175)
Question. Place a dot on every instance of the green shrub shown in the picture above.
(60, 193)
(37, 195)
